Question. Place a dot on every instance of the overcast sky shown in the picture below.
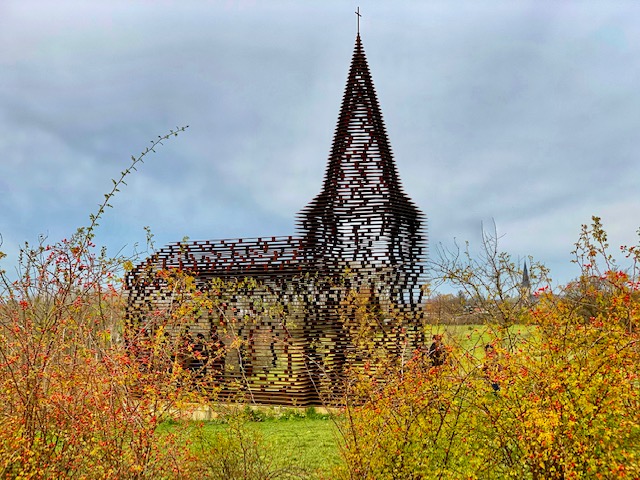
(524, 112)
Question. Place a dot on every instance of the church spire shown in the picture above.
(362, 215)
(361, 148)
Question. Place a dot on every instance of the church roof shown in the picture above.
(237, 257)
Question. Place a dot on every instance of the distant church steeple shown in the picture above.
(525, 284)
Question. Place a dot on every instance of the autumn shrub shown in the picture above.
(569, 403)
(71, 405)
(561, 401)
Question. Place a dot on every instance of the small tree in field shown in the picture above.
(491, 281)
(557, 398)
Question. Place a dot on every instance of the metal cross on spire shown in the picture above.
(357, 12)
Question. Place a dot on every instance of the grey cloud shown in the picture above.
(525, 112)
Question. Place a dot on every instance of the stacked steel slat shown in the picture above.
(361, 235)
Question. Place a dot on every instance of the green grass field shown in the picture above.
(308, 446)
(473, 338)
